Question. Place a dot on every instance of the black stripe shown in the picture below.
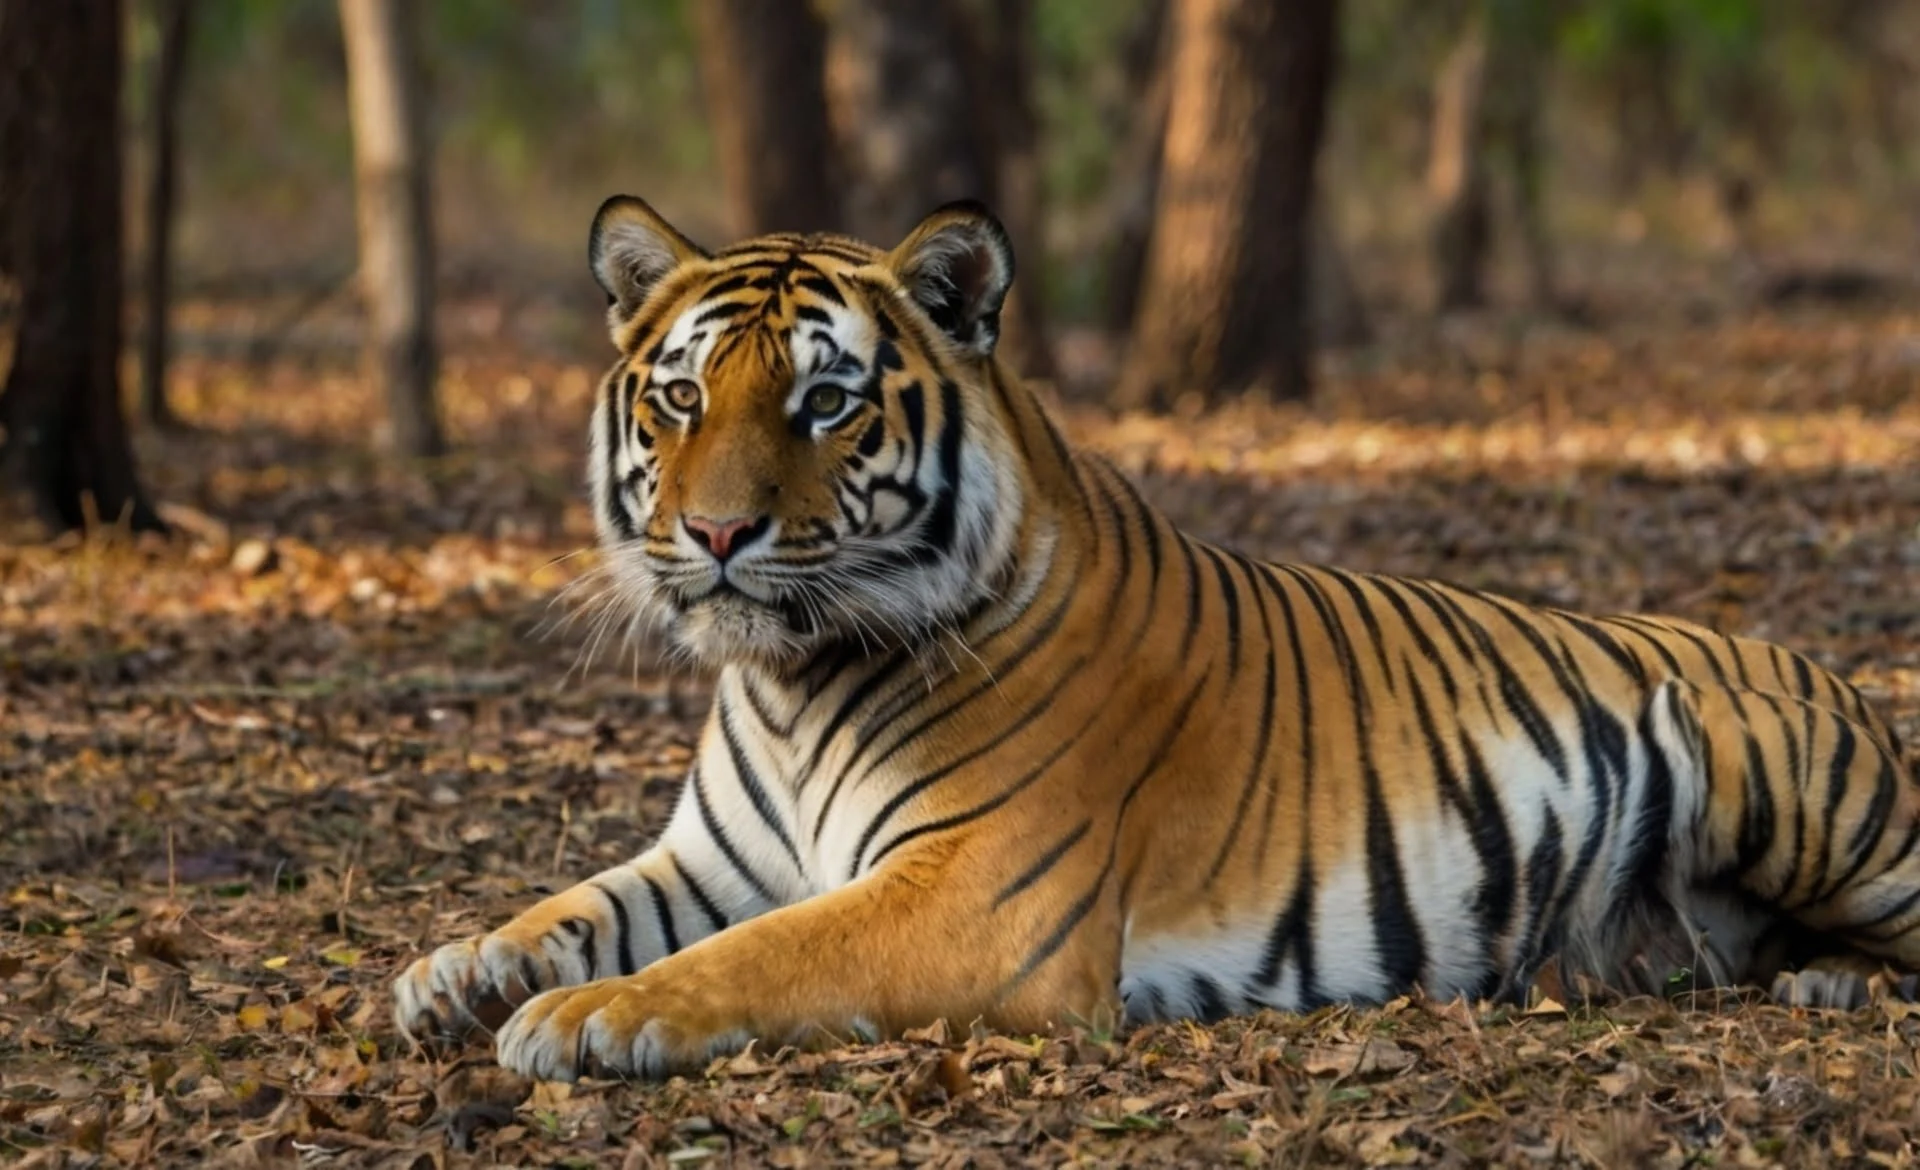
(664, 913)
(1397, 937)
(859, 694)
(1193, 594)
(1390, 587)
(1479, 805)
(756, 791)
(1647, 842)
(1514, 696)
(1145, 517)
(1872, 827)
(883, 719)
(1798, 804)
(1342, 645)
(1369, 620)
(714, 917)
(1042, 864)
(987, 806)
(1628, 623)
(582, 931)
(725, 843)
(1058, 936)
(1293, 933)
(1079, 910)
(1209, 998)
(1256, 764)
(1230, 598)
(912, 790)
(622, 930)
(1543, 880)
(616, 509)
(1303, 696)
(1605, 642)
(943, 522)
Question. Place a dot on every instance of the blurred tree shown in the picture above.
(1224, 310)
(391, 165)
(176, 21)
(1141, 128)
(906, 87)
(1008, 26)
(1486, 116)
(67, 448)
(762, 64)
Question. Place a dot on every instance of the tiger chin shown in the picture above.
(992, 740)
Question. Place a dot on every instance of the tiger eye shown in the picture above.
(682, 395)
(823, 401)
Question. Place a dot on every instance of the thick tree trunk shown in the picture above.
(391, 165)
(1224, 311)
(763, 64)
(66, 440)
(162, 190)
(906, 90)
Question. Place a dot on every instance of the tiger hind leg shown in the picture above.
(1806, 813)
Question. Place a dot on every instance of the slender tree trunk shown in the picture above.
(1021, 206)
(1224, 312)
(176, 18)
(763, 64)
(391, 164)
(67, 445)
(908, 85)
(1457, 183)
(1135, 183)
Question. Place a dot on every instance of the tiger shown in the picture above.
(993, 741)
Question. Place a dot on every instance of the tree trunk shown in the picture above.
(906, 86)
(1135, 183)
(162, 190)
(763, 64)
(1021, 206)
(393, 201)
(67, 446)
(1224, 311)
(1457, 175)
(1486, 107)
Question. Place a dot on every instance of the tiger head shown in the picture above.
(802, 443)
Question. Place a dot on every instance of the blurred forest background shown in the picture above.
(1602, 304)
(1559, 163)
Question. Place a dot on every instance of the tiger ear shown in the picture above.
(630, 250)
(957, 265)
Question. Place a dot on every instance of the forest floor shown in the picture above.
(340, 717)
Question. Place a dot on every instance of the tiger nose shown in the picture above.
(723, 537)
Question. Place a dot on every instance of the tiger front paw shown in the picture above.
(474, 984)
(614, 1027)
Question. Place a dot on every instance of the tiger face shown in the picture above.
(800, 444)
